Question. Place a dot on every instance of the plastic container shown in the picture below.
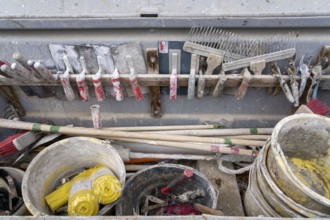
(274, 190)
(306, 137)
(61, 159)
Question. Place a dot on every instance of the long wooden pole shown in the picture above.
(121, 134)
(194, 146)
(218, 132)
(163, 128)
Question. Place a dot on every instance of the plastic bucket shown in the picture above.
(17, 176)
(254, 202)
(305, 137)
(146, 181)
(278, 194)
(60, 159)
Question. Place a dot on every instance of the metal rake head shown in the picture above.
(206, 40)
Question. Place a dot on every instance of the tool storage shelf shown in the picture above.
(85, 28)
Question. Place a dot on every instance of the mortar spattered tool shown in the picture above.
(285, 87)
(292, 73)
(9, 76)
(303, 68)
(135, 60)
(133, 79)
(81, 83)
(65, 80)
(97, 80)
(90, 63)
(40, 91)
(215, 44)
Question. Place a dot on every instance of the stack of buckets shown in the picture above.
(291, 176)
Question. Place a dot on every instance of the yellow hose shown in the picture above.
(82, 201)
(60, 196)
(105, 185)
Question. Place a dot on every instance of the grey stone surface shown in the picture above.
(229, 199)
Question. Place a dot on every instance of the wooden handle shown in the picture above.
(121, 134)
(206, 210)
(215, 148)
(217, 132)
(164, 128)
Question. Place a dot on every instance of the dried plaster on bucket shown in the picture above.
(290, 131)
(60, 159)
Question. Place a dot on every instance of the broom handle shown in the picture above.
(248, 137)
(122, 134)
(194, 146)
(218, 132)
(163, 128)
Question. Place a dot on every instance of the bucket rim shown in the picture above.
(279, 193)
(26, 198)
(279, 154)
(195, 171)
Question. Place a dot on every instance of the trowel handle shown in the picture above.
(135, 87)
(244, 85)
(173, 85)
(82, 88)
(69, 93)
(99, 92)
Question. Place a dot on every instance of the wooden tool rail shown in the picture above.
(164, 80)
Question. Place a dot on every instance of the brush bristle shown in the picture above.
(318, 107)
(7, 147)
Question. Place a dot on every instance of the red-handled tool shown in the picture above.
(82, 87)
(99, 92)
(174, 77)
(133, 79)
(186, 174)
(64, 78)
(117, 90)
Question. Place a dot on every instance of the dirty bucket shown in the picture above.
(17, 176)
(254, 202)
(271, 177)
(146, 181)
(263, 197)
(275, 196)
(304, 138)
(60, 159)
